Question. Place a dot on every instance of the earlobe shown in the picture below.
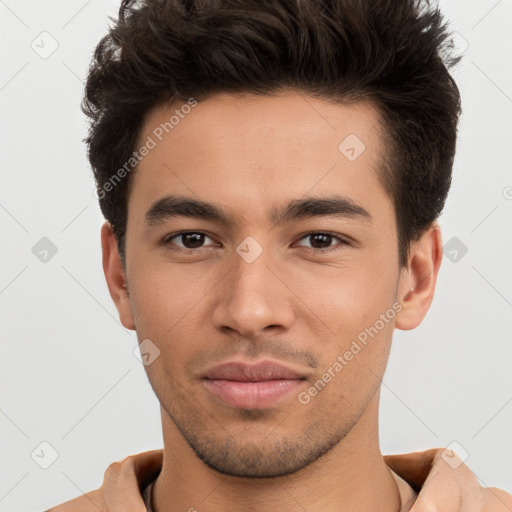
(115, 276)
(418, 280)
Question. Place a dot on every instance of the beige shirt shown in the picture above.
(425, 482)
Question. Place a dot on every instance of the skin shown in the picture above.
(248, 154)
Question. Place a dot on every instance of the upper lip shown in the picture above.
(243, 372)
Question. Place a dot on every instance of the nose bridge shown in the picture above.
(251, 267)
(253, 297)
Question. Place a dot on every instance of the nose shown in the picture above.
(254, 299)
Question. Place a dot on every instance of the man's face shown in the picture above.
(211, 297)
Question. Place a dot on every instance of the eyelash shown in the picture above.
(167, 241)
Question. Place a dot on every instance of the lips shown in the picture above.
(262, 371)
(252, 386)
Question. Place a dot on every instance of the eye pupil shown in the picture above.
(323, 237)
(197, 240)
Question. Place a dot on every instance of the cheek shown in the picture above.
(356, 305)
(168, 307)
(162, 294)
(347, 297)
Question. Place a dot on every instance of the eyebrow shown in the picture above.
(172, 206)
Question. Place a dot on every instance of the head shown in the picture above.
(307, 150)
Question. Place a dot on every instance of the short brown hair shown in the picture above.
(393, 53)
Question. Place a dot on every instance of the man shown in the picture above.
(271, 174)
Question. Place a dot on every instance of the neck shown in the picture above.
(350, 476)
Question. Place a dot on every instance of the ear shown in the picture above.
(418, 280)
(115, 276)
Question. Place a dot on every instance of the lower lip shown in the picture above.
(252, 395)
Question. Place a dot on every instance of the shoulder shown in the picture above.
(442, 478)
(121, 487)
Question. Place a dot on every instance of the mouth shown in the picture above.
(252, 386)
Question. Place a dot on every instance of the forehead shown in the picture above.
(280, 119)
(253, 150)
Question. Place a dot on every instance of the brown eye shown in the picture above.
(188, 240)
(322, 241)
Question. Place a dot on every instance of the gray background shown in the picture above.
(68, 373)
